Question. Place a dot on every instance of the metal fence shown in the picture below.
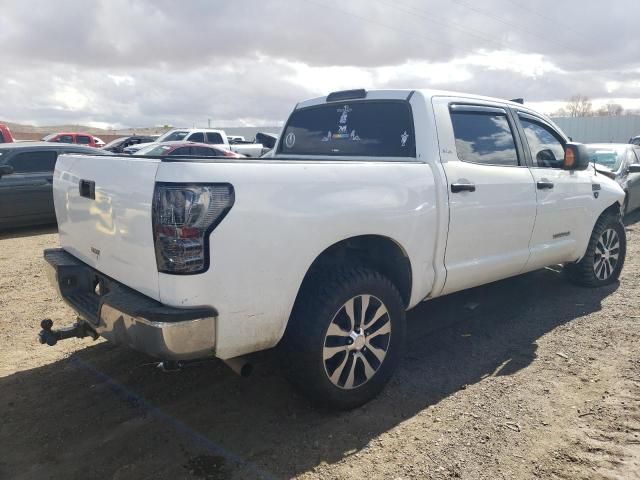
(600, 129)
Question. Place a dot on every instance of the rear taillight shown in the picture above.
(183, 217)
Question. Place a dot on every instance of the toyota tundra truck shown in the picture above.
(372, 202)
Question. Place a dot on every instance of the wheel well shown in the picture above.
(613, 209)
(373, 251)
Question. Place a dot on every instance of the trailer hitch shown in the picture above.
(77, 330)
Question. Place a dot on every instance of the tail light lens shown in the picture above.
(183, 217)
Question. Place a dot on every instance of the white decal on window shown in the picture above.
(328, 137)
(343, 117)
(403, 139)
(354, 137)
(290, 140)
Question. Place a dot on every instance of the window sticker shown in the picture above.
(403, 139)
(290, 140)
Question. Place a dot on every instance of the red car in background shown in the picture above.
(72, 137)
(5, 134)
(182, 148)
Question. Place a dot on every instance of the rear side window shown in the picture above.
(484, 137)
(181, 151)
(215, 138)
(83, 140)
(39, 161)
(367, 128)
(205, 152)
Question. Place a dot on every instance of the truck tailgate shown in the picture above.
(103, 207)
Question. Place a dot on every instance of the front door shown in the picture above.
(492, 200)
(564, 197)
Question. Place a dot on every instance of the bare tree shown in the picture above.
(579, 106)
(610, 110)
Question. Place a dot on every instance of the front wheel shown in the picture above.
(605, 255)
(345, 337)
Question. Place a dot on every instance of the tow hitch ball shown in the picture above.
(51, 337)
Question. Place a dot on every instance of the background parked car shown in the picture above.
(191, 149)
(72, 137)
(635, 140)
(209, 136)
(119, 144)
(5, 134)
(613, 160)
(26, 176)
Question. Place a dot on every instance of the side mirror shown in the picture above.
(8, 170)
(635, 168)
(576, 157)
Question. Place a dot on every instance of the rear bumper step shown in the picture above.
(126, 317)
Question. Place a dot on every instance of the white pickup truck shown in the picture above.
(207, 135)
(372, 202)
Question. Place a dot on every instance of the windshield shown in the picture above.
(371, 128)
(153, 150)
(173, 135)
(115, 142)
(48, 137)
(610, 157)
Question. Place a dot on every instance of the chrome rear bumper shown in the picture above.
(126, 317)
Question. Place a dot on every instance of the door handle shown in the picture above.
(544, 185)
(87, 189)
(462, 187)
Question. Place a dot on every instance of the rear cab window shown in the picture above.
(366, 128)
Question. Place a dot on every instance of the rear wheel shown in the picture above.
(344, 337)
(605, 255)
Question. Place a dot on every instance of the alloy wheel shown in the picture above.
(607, 254)
(357, 341)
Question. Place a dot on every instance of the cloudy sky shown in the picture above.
(116, 63)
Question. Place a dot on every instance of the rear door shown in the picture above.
(103, 207)
(564, 198)
(26, 193)
(492, 200)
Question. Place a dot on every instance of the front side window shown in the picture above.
(484, 137)
(547, 149)
(367, 128)
(38, 161)
(196, 137)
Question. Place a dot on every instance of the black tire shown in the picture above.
(591, 271)
(322, 303)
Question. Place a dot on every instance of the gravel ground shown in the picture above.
(526, 378)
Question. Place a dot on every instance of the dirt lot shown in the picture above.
(525, 378)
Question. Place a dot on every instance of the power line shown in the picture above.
(545, 17)
(375, 22)
(427, 16)
(512, 25)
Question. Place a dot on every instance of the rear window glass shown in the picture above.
(367, 128)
